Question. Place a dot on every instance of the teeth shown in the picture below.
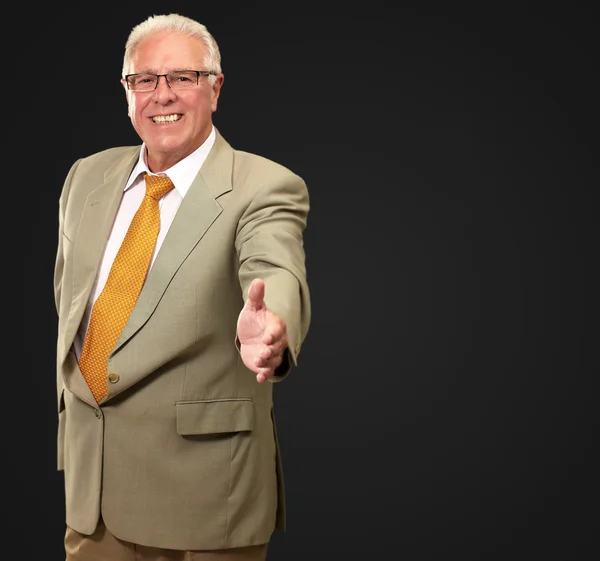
(166, 118)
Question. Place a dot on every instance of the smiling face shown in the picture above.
(172, 123)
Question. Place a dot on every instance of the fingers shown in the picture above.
(270, 356)
(265, 375)
(268, 369)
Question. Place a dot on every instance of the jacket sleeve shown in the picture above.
(270, 246)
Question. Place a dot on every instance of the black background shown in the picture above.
(442, 407)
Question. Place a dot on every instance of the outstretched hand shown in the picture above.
(261, 333)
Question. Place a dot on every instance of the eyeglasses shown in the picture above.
(178, 80)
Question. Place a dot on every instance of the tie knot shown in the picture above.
(158, 185)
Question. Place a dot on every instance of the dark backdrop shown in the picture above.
(441, 408)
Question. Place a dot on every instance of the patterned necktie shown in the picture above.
(127, 274)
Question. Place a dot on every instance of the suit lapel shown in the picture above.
(198, 210)
(94, 229)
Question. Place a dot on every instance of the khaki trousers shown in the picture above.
(103, 546)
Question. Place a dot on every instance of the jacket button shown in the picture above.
(97, 413)
(113, 377)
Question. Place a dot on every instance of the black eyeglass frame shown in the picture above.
(198, 74)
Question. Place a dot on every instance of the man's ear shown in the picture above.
(216, 90)
(124, 84)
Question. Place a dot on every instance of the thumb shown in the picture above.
(256, 294)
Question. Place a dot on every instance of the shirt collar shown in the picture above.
(183, 173)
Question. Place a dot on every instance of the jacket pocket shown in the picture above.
(215, 416)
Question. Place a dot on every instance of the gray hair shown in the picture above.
(179, 24)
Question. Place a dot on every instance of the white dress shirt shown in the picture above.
(182, 175)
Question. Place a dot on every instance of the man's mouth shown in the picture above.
(166, 118)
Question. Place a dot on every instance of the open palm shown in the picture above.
(261, 333)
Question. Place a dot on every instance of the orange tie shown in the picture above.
(123, 286)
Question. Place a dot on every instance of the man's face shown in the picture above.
(189, 111)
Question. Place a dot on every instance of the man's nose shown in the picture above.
(166, 82)
(163, 89)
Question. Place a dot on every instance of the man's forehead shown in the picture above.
(166, 52)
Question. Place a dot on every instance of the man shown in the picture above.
(181, 292)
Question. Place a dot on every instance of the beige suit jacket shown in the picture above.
(182, 453)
